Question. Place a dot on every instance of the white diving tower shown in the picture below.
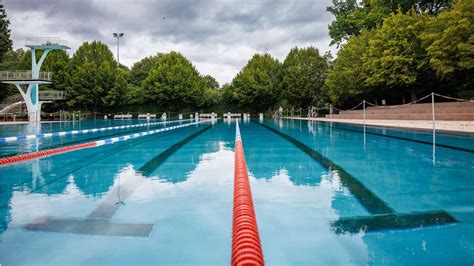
(32, 79)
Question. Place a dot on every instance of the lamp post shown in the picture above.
(118, 36)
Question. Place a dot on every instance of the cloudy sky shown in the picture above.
(219, 37)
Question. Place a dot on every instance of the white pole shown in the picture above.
(365, 140)
(118, 51)
(433, 112)
(330, 122)
(364, 111)
(434, 127)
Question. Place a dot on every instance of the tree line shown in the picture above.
(401, 51)
(392, 50)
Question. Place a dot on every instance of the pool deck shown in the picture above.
(448, 126)
(3, 123)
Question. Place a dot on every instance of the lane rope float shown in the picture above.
(82, 131)
(246, 247)
(39, 154)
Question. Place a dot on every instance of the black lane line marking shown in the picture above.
(151, 165)
(82, 140)
(398, 221)
(371, 202)
(97, 222)
(408, 139)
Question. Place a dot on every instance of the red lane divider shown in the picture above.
(246, 247)
(38, 154)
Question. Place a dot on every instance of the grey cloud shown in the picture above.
(263, 26)
(55, 8)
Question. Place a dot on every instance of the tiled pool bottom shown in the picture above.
(184, 196)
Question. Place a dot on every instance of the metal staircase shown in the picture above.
(16, 105)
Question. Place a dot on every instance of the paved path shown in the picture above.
(453, 126)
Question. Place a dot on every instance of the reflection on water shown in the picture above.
(94, 182)
(26, 206)
(398, 167)
(197, 204)
(178, 167)
(94, 178)
(187, 197)
(296, 199)
(294, 221)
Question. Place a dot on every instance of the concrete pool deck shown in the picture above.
(4, 123)
(449, 126)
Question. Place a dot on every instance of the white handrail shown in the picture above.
(24, 75)
(36, 41)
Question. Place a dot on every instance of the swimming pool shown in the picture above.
(324, 194)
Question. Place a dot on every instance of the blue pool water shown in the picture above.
(312, 184)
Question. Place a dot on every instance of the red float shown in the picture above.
(38, 154)
(246, 247)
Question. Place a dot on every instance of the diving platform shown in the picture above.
(25, 77)
(42, 43)
(27, 82)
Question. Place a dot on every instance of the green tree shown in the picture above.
(11, 61)
(449, 42)
(134, 95)
(142, 68)
(303, 75)
(117, 95)
(212, 98)
(347, 76)
(6, 53)
(227, 98)
(352, 17)
(5, 41)
(57, 62)
(256, 86)
(95, 77)
(395, 56)
(211, 82)
(174, 84)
